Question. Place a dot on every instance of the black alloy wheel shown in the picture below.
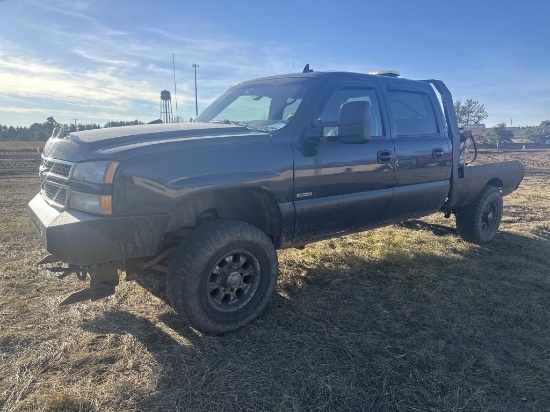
(222, 276)
(479, 222)
(233, 281)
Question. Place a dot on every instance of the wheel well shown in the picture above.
(496, 182)
(257, 207)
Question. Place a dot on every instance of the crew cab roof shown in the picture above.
(327, 75)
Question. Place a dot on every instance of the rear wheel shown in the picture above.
(222, 276)
(478, 222)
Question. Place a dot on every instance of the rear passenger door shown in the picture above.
(423, 152)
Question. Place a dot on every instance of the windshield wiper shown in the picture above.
(227, 121)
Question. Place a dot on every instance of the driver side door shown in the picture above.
(342, 187)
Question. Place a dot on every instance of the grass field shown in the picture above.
(403, 318)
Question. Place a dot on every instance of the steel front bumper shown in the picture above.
(84, 239)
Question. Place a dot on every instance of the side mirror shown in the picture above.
(355, 122)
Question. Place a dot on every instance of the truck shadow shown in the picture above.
(438, 230)
(423, 323)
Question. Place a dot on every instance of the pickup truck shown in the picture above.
(273, 163)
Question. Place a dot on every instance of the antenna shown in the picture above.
(195, 66)
(175, 92)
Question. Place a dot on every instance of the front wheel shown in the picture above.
(478, 222)
(222, 276)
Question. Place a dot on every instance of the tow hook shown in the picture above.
(103, 279)
(81, 272)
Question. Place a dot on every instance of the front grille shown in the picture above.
(55, 193)
(55, 176)
(57, 167)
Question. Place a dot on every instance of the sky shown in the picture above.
(101, 60)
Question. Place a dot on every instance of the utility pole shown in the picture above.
(75, 125)
(195, 66)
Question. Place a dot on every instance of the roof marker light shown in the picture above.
(388, 73)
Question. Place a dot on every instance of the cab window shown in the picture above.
(413, 113)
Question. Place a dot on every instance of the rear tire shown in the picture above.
(222, 276)
(479, 222)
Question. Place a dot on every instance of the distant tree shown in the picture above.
(470, 111)
(499, 134)
(11, 133)
(122, 123)
(88, 126)
(40, 131)
(539, 134)
(3, 133)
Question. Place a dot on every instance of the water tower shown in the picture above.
(166, 106)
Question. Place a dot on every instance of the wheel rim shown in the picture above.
(489, 216)
(233, 281)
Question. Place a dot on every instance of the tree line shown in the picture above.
(472, 112)
(42, 131)
(534, 134)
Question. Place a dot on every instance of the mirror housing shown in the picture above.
(355, 122)
(318, 130)
(314, 133)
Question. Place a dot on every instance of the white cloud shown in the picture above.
(102, 59)
(102, 72)
(90, 69)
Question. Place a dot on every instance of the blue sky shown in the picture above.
(101, 60)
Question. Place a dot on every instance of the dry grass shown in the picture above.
(21, 145)
(404, 318)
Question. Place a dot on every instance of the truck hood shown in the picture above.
(130, 141)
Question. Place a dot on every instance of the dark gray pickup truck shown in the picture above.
(273, 163)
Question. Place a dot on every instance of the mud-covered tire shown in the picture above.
(222, 276)
(479, 222)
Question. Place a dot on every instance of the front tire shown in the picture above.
(222, 276)
(479, 222)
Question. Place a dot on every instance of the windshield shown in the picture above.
(265, 106)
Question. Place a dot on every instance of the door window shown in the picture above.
(331, 111)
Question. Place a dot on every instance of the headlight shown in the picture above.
(100, 172)
(97, 204)
(95, 172)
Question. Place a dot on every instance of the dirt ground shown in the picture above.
(536, 161)
(18, 162)
(403, 318)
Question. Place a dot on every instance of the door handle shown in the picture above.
(438, 153)
(385, 156)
